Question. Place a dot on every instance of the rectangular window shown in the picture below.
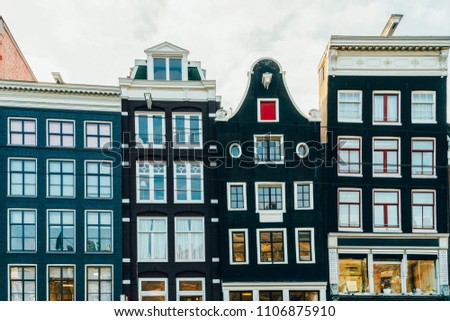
(304, 238)
(238, 246)
(97, 134)
(268, 110)
(353, 274)
(349, 209)
(152, 239)
(99, 283)
(271, 246)
(386, 109)
(153, 289)
(151, 182)
(423, 157)
(269, 149)
(187, 130)
(22, 131)
(22, 283)
(61, 283)
(423, 210)
(237, 196)
(387, 276)
(270, 197)
(349, 106)
(189, 239)
(22, 177)
(99, 229)
(303, 296)
(386, 209)
(386, 156)
(61, 231)
(241, 295)
(421, 278)
(161, 72)
(188, 182)
(150, 129)
(271, 295)
(174, 69)
(303, 195)
(98, 179)
(60, 133)
(60, 178)
(349, 156)
(22, 230)
(190, 289)
(423, 107)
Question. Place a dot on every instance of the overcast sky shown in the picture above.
(96, 41)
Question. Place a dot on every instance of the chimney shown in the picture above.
(391, 25)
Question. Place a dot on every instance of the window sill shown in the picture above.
(349, 175)
(424, 231)
(349, 229)
(150, 146)
(304, 208)
(423, 122)
(350, 121)
(272, 263)
(151, 202)
(188, 202)
(387, 230)
(270, 217)
(384, 175)
(237, 209)
(424, 176)
(385, 124)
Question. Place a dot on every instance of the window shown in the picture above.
(268, 110)
(386, 209)
(97, 134)
(60, 178)
(151, 182)
(189, 239)
(423, 107)
(271, 246)
(423, 157)
(190, 289)
(99, 284)
(303, 195)
(353, 274)
(22, 283)
(349, 156)
(238, 246)
(387, 275)
(188, 182)
(237, 196)
(99, 228)
(98, 179)
(61, 230)
(423, 210)
(152, 289)
(303, 296)
(150, 129)
(304, 238)
(187, 130)
(386, 109)
(270, 197)
(349, 209)
(421, 278)
(22, 131)
(386, 156)
(235, 150)
(349, 106)
(60, 133)
(161, 72)
(152, 239)
(269, 149)
(61, 283)
(241, 295)
(22, 230)
(22, 177)
(271, 295)
(302, 150)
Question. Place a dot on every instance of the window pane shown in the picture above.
(159, 68)
(175, 69)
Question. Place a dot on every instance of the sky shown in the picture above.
(97, 41)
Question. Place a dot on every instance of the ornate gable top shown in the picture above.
(166, 48)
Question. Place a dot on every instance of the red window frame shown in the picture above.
(385, 108)
(349, 226)
(267, 110)
(422, 205)
(385, 209)
(422, 152)
(385, 152)
(348, 150)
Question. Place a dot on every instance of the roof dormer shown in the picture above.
(167, 62)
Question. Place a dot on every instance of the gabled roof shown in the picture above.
(166, 48)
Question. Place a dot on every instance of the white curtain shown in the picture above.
(152, 244)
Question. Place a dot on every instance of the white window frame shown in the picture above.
(167, 67)
(86, 232)
(151, 177)
(86, 279)
(399, 157)
(360, 172)
(9, 230)
(142, 293)
(74, 230)
(74, 279)
(313, 246)
(277, 110)
(97, 122)
(311, 195)
(344, 120)
(230, 149)
(350, 229)
(48, 120)
(190, 249)
(188, 174)
(138, 232)
(86, 176)
(35, 176)
(279, 137)
(244, 191)
(424, 230)
(9, 266)
(270, 184)
(433, 139)
(189, 293)
(258, 244)
(230, 245)
(433, 110)
(74, 177)
(187, 129)
(150, 130)
(399, 211)
(399, 109)
(25, 119)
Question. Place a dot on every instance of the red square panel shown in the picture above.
(268, 110)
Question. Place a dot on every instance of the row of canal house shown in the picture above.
(153, 191)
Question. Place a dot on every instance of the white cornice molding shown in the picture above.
(389, 43)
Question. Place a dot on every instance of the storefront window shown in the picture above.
(421, 277)
(353, 275)
(386, 277)
(303, 296)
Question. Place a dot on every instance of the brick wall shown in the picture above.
(12, 65)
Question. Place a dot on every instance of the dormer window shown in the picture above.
(167, 68)
(267, 110)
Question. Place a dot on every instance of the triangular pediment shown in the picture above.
(166, 48)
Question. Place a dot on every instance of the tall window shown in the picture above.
(60, 133)
(386, 108)
(153, 289)
(271, 246)
(152, 239)
(22, 131)
(422, 158)
(98, 179)
(22, 177)
(22, 230)
(305, 245)
(349, 156)
(423, 107)
(349, 106)
(238, 246)
(269, 148)
(303, 195)
(187, 130)
(423, 209)
(268, 110)
(270, 197)
(61, 231)
(237, 198)
(386, 209)
(97, 134)
(150, 129)
(151, 182)
(167, 68)
(349, 208)
(61, 283)
(188, 182)
(61, 178)
(99, 283)
(386, 156)
(190, 289)
(22, 283)
(99, 229)
(189, 239)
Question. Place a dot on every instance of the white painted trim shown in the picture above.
(150, 129)
(244, 191)
(214, 201)
(258, 247)
(271, 184)
(73, 266)
(35, 175)
(216, 281)
(8, 232)
(338, 139)
(62, 121)
(277, 110)
(297, 150)
(86, 234)
(230, 245)
(239, 149)
(399, 155)
(311, 195)
(61, 173)
(387, 229)
(143, 218)
(188, 183)
(196, 293)
(434, 229)
(126, 260)
(126, 281)
(125, 219)
(125, 146)
(10, 265)
(86, 175)
(420, 121)
(216, 259)
(24, 119)
(111, 138)
(48, 231)
(350, 229)
(214, 220)
(399, 106)
(142, 293)
(279, 137)
(187, 129)
(313, 246)
(150, 176)
(86, 278)
(125, 201)
(360, 106)
(434, 156)
(124, 113)
(190, 250)
(212, 115)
